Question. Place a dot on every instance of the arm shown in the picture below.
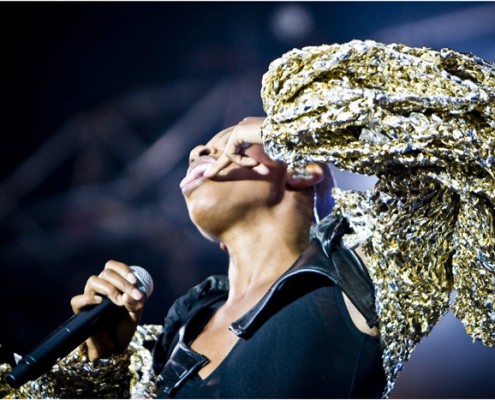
(127, 375)
(105, 364)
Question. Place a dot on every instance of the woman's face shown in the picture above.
(237, 194)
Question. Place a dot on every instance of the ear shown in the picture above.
(299, 181)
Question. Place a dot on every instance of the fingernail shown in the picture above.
(131, 278)
(136, 294)
(262, 169)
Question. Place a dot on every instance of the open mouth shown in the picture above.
(194, 176)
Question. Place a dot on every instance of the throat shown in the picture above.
(248, 284)
(250, 281)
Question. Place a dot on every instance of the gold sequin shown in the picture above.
(128, 375)
(423, 122)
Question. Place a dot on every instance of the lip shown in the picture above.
(194, 176)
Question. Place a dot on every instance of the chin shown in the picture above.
(209, 236)
(206, 215)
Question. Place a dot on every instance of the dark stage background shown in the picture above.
(100, 104)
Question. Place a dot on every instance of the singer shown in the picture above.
(319, 304)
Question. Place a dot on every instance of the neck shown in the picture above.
(259, 254)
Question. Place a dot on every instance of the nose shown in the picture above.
(199, 151)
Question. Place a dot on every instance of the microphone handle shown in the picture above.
(62, 341)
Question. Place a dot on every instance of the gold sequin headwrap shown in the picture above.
(423, 122)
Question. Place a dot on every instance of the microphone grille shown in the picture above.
(144, 280)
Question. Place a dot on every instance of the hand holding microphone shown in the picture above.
(107, 314)
(118, 283)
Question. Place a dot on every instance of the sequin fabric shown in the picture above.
(423, 122)
(128, 375)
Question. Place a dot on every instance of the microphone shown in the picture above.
(72, 333)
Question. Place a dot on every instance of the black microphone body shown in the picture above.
(66, 338)
(61, 342)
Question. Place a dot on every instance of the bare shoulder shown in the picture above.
(358, 318)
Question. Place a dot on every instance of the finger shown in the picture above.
(97, 285)
(261, 169)
(213, 169)
(125, 279)
(122, 280)
(132, 305)
(98, 288)
(248, 131)
(244, 160)
(122, 269)
(226, 159)
(107, 285)
(84, 300)
(115, 279)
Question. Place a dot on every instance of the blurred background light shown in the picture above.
(292, 23)
(100, 105)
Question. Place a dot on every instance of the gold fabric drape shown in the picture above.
(423, 122)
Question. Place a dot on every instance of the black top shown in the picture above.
(298, 342)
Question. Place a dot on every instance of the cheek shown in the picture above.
(218, 204)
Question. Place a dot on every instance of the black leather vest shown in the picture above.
(325, 259)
